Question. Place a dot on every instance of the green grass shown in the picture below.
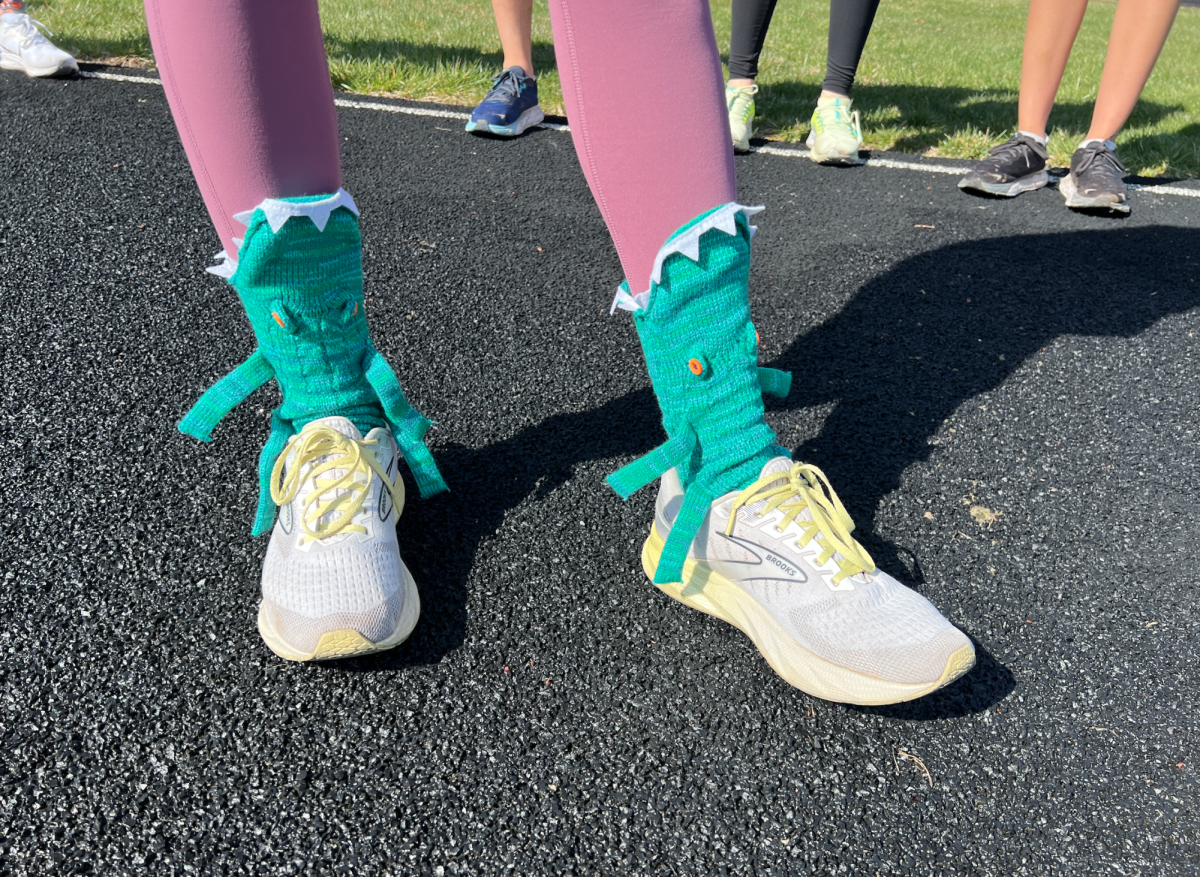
(939, 77)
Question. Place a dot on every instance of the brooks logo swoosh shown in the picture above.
(385, 496)
(765, 565)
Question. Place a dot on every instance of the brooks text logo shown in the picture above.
(790, 570)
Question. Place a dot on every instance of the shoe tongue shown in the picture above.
(337, 424)
(518, 70)
(775, 466)
(823, 102)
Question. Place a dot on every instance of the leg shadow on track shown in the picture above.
(945, 326)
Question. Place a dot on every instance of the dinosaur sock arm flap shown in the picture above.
(408, 425)
(281, 431)
(775, 382)
(225, 395)
(629, 479)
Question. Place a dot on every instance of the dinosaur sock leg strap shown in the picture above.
(702, 353)
(298, 273)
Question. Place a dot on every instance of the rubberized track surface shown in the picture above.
(553, 713)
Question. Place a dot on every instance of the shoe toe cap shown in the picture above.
(316, 636)
(891, 633)
(348, 586)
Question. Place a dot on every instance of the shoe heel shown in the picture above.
(691, 591)
(651, 552)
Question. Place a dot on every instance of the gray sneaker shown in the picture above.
(1096, 180)
(777, 561)
(1015, 166)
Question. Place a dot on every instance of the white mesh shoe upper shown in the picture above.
(867, 622)
(22, 42)
(345, 581)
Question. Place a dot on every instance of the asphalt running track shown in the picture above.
(553, 713)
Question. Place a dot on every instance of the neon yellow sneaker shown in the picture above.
(741, 114)
(836, 135)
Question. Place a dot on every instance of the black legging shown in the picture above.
(849, 27)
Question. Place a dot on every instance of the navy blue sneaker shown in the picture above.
(510, 107)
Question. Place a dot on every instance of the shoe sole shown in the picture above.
(1075, 201)
(9, 61)
(529, 118)
(837, 159)
(349, 643)
(833, 158)
(711, 593)
(1031, 183)
(742, 147)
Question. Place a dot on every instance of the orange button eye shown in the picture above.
(757, 340)
(696, 367)
(279, 320)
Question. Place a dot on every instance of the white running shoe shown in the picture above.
(23, 48)
(777, 561)
(835, 133)
(739, 100)
(333, 583)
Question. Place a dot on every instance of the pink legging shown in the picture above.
(248, 85)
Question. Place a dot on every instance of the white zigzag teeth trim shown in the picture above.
(688, 243)
(627, 302)
(227, 267)
(278, 212)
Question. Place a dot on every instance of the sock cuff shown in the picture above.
(1108, 144)
(686, 241)
(1039, 138)
(278, 211)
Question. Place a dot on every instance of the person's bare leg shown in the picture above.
(1139, 31)
(514, 21)
(1050, 32)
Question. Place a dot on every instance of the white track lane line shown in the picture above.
(395, 108)
(766, 150)
(120, 77)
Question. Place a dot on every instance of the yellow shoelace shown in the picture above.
(806, 487)
(317, 452)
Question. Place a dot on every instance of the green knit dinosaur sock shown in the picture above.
(299, 276)
(702, 353)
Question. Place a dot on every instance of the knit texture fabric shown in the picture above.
(302, 288)
(303, 292)
(702, 354)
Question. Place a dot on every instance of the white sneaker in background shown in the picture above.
(22, 47)
(788, 574)
(739, 100)
(333, 583)
(835, 132)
